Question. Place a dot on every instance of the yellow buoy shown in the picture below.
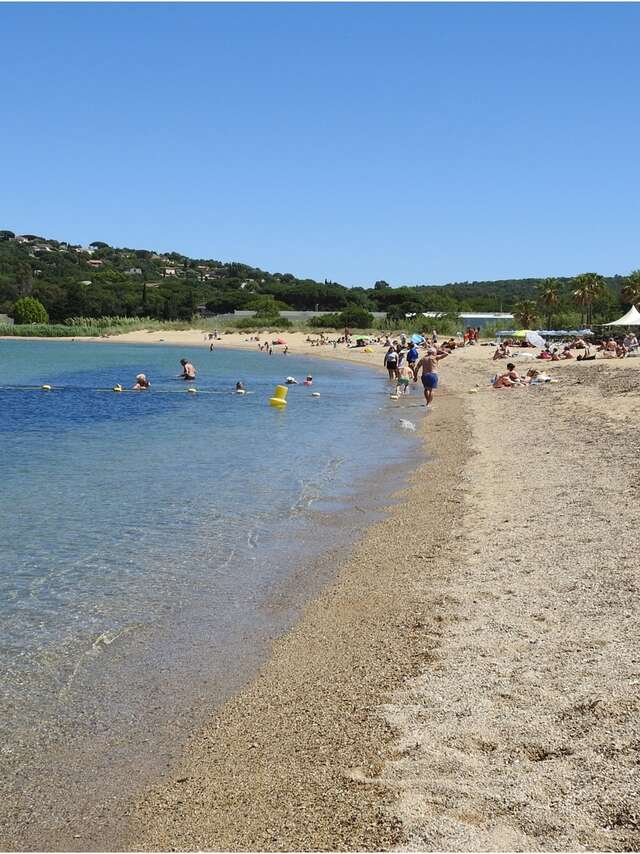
(367, 350)
(117, 387)
(192, 390)
(46, 388)
(279, 399)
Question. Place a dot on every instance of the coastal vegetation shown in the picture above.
(45, 281)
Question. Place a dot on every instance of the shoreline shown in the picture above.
(468, 680)
(293, 761)
(65, 831)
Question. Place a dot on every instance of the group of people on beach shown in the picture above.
(612, 348)
(404, 364)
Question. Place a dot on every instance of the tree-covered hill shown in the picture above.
(101, 280)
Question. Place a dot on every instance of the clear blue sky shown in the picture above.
(413, 143)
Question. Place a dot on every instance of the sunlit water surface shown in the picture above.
(149, 540)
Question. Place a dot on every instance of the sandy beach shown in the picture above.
(471, 679)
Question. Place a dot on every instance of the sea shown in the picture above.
(152, 546)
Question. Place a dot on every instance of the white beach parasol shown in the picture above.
(631, 318)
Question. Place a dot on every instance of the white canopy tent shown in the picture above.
(631, 318)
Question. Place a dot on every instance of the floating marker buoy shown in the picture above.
(117, 387)
(46, 388)
(315, 394)
(240, 391)
(192, 390)
(279, 399)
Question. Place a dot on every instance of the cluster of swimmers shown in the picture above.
(293, 381)
(188, 373)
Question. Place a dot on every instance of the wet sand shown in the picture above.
(470, 681)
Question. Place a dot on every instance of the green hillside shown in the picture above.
(100, 280)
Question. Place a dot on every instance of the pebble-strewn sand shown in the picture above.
(471, 681)
(524, 732)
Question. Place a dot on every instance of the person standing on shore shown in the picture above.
(429, 365)
(391, 363)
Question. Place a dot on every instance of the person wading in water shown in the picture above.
(429, 365)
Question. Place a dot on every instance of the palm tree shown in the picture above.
(589, 287)
(631, 289)
(549, 297)
(525, 313)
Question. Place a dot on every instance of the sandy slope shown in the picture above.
(523, 734)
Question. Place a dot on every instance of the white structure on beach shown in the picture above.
(631, 318)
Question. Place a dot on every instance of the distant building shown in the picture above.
(169, 271)
(133, 271)
(95, 263)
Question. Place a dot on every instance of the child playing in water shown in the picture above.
(405, 375)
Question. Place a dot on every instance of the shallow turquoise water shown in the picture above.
(142, 531)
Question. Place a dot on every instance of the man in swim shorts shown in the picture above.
(429, 365)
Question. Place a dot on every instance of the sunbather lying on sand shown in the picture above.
(508, 380)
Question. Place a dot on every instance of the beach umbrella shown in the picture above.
(536, 339)
(417, 339)
(521, 333)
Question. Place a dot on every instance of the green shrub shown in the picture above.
(356, 316)
(326, 321)
(29, 310)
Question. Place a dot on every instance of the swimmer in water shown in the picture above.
(142, 382)
(188, 371)
(239, 386)
(309, 380)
